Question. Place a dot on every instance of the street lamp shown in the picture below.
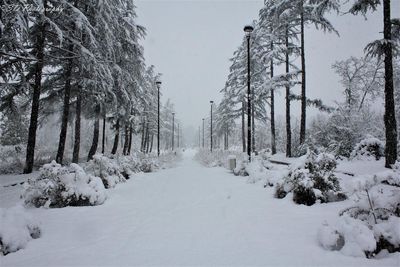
(178, 135)
(199, 137)
(203, 133)
(211, 136)
(158, 83)
(173, 129)
(248, 30)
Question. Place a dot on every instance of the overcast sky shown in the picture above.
(190, 43)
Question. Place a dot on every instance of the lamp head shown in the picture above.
(248, 29)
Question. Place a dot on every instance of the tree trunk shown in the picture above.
(96, 133)
(151, 143)
(143, 135)
(303, 79)
(288, 125)
(77, 141)
(103, 140)
(116, 139)
(126, 141)
(147, 142)
(243, 129)
(389, 118)
(65, 114)
(130, 138)
(227, 138)
(40, 41)
(273, 134)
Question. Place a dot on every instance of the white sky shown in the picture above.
(191, 41)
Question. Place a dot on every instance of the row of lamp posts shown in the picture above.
(248, 30)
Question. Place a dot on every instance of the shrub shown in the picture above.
(240, 169)
(148, 165)
(311, 180)
(17, 228)
(352, 237)
(107, 169)
(59, 186)
(376, 210)
(369, 148)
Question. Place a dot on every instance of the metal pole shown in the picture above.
(248, 100)
(158, 122)
(203, 134)
(173, 130)
(158, 83)
(178, 135)
(199, 137)
(211, 135)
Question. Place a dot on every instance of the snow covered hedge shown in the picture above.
(58, 186)
(372, 225)
(312, 179)
(113, 171)
(17, 228)
(370, 147)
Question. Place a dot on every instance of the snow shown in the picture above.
(357, 237)
(11, 188)
(390, 230)
(188, 215)
(17, 228)
(360, 167)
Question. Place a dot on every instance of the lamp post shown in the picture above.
(211, 135)
(248, 29)
(158, 83)
(173, 129)
(203, 133)
(199, 137)
(178, 135)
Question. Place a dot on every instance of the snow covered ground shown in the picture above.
(188, 215)
(11, 188)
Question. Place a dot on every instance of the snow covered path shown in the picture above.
(188, 215)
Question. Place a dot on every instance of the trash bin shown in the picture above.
(232, 162)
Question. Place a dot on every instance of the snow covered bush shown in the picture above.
(376, 214)
(312, 179)
(148, 165)
(17, 228)
(59, 186)
(240, 169)
(107, 169)
(128, 166)
(370, 147)
(352, 237)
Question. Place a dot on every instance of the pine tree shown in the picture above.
(384, 48)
